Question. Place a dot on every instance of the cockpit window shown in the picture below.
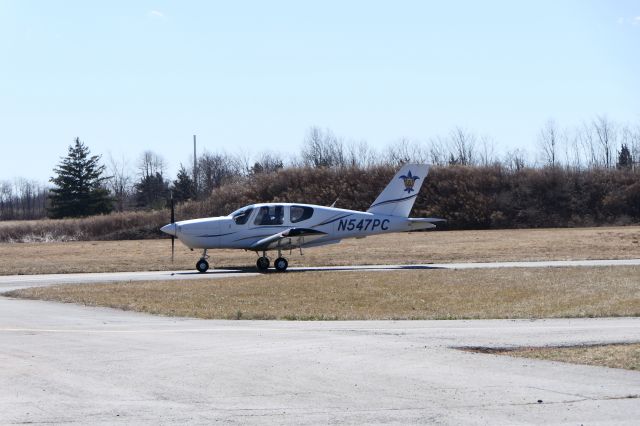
(270, 215)
(300, 213)
(240, 217)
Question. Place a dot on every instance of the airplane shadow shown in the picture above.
(222, 270)
(253, 270)
(361, 268)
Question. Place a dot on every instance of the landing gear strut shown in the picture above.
(202, 264)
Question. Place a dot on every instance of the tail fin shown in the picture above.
(400, 194)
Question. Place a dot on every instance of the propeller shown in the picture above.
(173, 220)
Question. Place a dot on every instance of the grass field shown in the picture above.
(421, 247)
(411, 294)
(625, 356)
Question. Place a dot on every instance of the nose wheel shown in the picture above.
(202, 264)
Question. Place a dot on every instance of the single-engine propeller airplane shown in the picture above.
(286, 226)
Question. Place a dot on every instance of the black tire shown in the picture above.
(262, 264)
(202, 266)
(281, 264)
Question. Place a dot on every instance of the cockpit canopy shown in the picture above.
(272, 214)
(241, 216)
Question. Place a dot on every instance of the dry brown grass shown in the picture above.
(625, 356)
(411, 294)
(115, 226)
(421, 247)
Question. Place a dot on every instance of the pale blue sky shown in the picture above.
(127, 76)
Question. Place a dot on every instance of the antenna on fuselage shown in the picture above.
(334, 203)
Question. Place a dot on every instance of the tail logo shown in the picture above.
(409, 181)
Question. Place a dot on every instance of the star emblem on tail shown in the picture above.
(409, 181)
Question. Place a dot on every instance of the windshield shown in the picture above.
(241, 216)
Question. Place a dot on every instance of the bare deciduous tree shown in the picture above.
(404, 151)
(152, 188)
(487, 151)
(587, 140)
(151, 164)
(120, 181)
(574, 147)
(463, 146)
(515, 160)
(215, 169)
(360, 154)
(23, 199)
(438, 152)
(548, 140)
(322, 149)
(267, 162)
(6, 200)
(606, 135)
(630, 137)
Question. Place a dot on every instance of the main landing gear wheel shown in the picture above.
(281, 264)
(202, 266)
(262, 263)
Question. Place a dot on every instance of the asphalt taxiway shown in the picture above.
(65, 363)
(11, 282)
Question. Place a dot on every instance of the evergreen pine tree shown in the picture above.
(625, 161)
(183, 187)
(79, 187)
(152, 191)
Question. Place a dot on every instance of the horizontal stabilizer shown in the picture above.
(416, 223)
(427, 219)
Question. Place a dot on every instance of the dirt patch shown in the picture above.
(615, 355)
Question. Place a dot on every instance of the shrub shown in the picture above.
(468, 197)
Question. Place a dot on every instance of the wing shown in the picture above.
(291, 238)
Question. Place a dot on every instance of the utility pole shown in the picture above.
(195, 169)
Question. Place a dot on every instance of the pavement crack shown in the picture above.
(559, 393)
(573, 401)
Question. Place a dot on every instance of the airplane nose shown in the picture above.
(169, 229)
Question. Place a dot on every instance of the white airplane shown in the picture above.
(285, 226)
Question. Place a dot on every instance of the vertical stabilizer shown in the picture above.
(398, 197)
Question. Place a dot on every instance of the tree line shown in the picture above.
(469, 197)
(22, 199)
(83, 184)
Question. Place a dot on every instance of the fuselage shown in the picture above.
(244, 227)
